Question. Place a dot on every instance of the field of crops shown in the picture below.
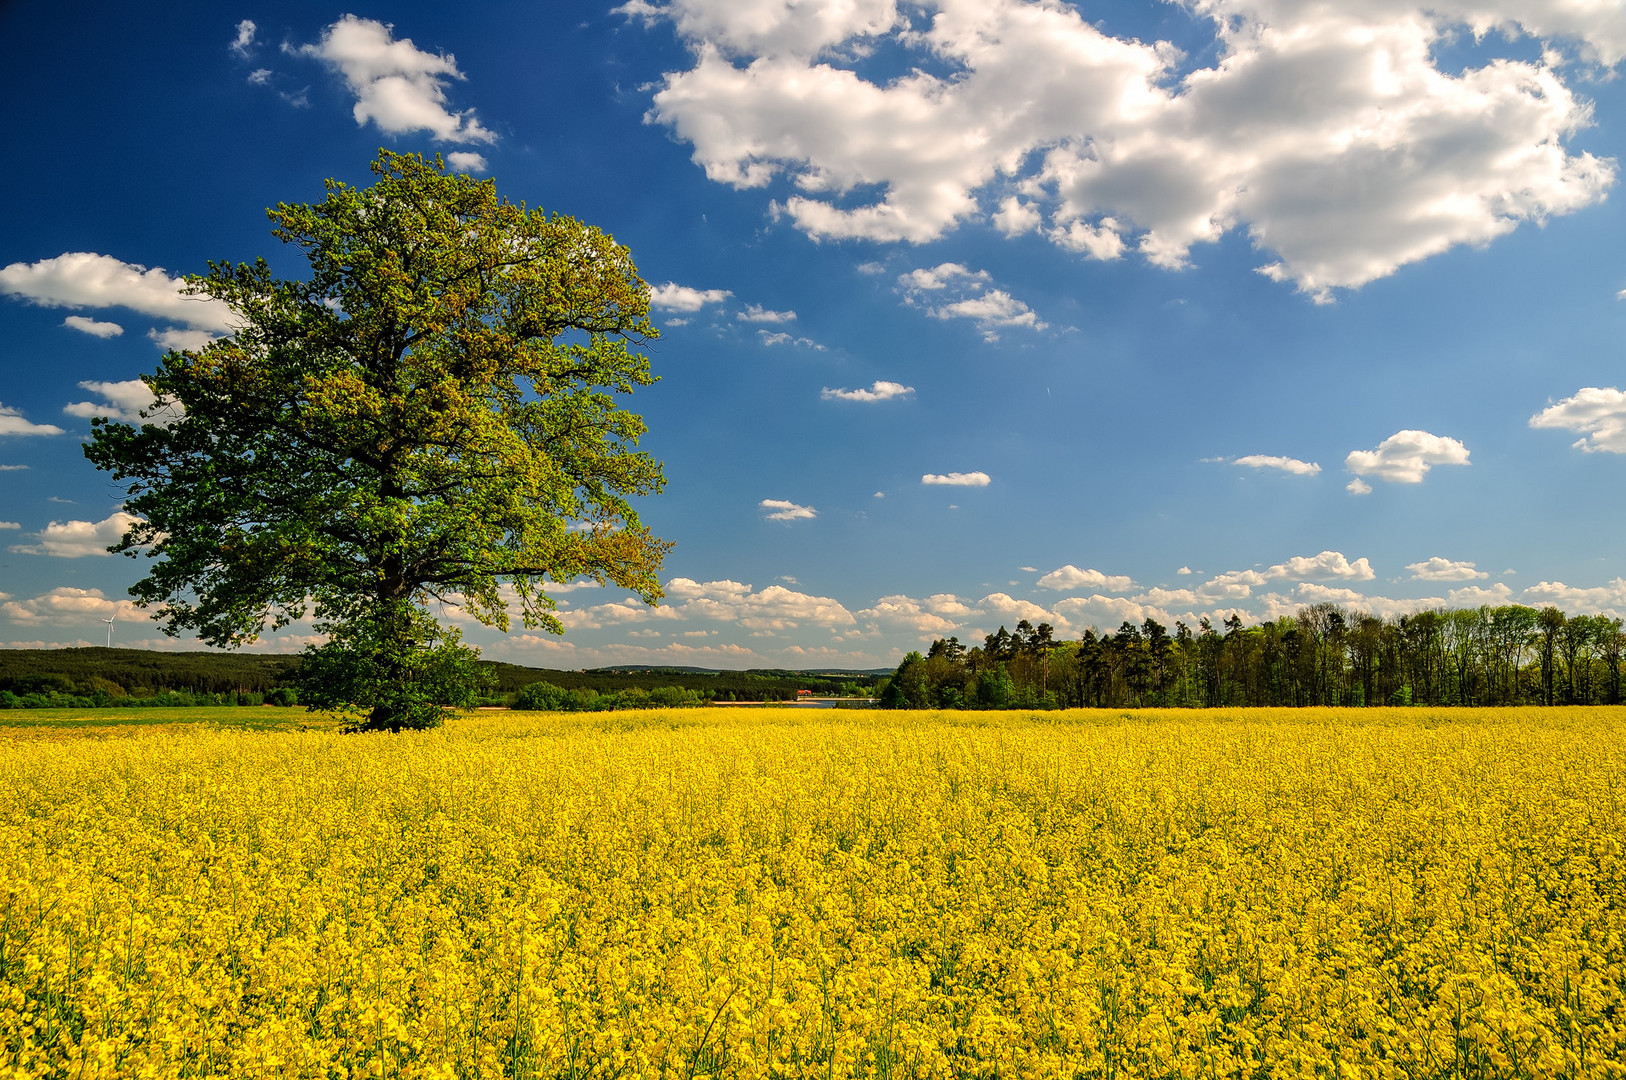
(764, 893)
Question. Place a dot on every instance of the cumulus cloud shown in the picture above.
(1071, 577)
(83, 279)
(1327, 565)
(781, 338)
(940, 615)
(675, 297)
(1329, 133)
(68, 606)
(124, 402)
(93, 327)
(1358, 486)
(1597, 413)
(1472, 596)
(951, 291)
(1285, 464)
(13, 422)
(756, 313)
(1404, 458)
(1438, 569)
(397, 86)
(467, 161)
(957, 479)
(879, 390)
(9, 525)
(787, 511)
(773, 608)
(1607, 599)
(77, 539)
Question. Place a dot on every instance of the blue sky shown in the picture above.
(972, 311)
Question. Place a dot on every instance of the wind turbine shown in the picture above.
(109, 623)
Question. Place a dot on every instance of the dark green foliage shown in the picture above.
(1322, 655)
(546, 697)
(430, 415)
(397, 670)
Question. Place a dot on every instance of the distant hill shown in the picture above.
(140, 671)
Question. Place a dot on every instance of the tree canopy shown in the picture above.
(428, 416)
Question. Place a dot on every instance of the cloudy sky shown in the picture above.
(972, 310)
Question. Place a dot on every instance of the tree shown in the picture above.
(427, 418)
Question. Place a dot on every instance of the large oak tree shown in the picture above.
(427, 416)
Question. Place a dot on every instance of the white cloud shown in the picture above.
(77, 539)
(1071, 577)
(879, 390)
(93, 327)
(83, 279)
(675, 297)
(1358, 486)
(773, 608)
(180, 340)
(787, 511)
(1285, 464)
(260, 77)
(756, 313)
(1005, 607)
(12, 422)
(466, 161)
(1183, 571)
(771, 338)
(1016, 217)
(1597, 413)
(940, 615)
(957, 479)
(245, 37)
(1471, 596)
(1328, 564)
(951, 291)
(1327, 132)
(1608, 599)
(1405, 458)
(941, 277)
(124, 402)
(398, 86)
(1439, 569)
(9, 525)
(67, 606)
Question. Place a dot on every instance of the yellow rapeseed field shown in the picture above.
(766, 893)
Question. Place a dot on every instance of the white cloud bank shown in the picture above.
(84, 279)
(68, 606)
(397, 86)
(1327, 132)
(77, 539)
(1597, 413)
(1071, 577)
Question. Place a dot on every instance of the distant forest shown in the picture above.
(1323, 655)
(102, 676)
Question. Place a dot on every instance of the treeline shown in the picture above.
(99, 677)
(1323, 655)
